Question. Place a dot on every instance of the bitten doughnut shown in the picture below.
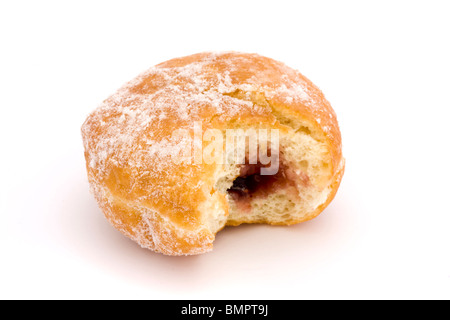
(168, 170)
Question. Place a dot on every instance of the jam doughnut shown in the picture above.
(148, 150)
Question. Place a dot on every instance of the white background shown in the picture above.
(383, 65)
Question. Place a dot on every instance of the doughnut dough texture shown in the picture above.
(177, 208)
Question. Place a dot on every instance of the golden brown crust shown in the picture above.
(129, 145)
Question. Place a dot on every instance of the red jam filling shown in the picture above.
(251, 184)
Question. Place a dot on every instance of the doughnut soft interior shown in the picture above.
(177, 207)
